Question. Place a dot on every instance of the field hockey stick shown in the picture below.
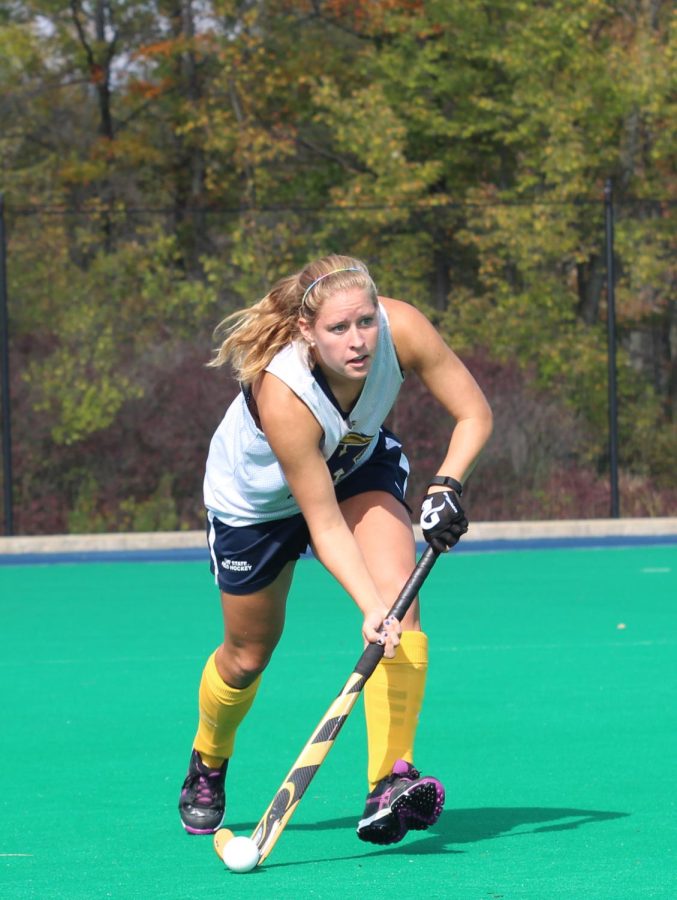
(312, 756)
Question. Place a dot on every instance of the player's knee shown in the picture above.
(245, 665)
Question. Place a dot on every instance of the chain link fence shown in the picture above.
(107, 316)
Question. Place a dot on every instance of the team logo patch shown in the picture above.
(347, 455)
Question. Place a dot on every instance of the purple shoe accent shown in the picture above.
(420, 806)
(190, 830)
(400, 802)
(202, 804)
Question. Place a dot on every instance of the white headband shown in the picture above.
(326, 275)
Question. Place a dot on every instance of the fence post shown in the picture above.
(4, 375)
(611, 347)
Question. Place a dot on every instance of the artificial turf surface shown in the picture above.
(550, 716)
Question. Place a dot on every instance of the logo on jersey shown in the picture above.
(348, 454)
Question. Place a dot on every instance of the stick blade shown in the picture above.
(221, 838)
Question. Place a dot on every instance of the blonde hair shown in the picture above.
(254, 335)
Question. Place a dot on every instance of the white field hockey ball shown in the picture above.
(241, 854)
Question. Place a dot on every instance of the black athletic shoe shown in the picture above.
(401, 801)
(202, 804)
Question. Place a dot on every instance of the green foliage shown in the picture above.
(461, 148)
(91, 514)
(157, 513)
(106, 324)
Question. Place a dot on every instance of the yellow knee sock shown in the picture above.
(392, 701)
(222, 708)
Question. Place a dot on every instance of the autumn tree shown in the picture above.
(165, 160)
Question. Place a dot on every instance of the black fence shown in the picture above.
(426, 249)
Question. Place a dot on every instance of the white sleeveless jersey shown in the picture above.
(244, 482)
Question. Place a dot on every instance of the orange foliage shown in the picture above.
(97, 74)
(164, 49)
(148, 90)
(362, 14)
(366, 10)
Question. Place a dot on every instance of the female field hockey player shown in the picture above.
(302, 457)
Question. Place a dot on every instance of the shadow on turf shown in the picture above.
(468, 826)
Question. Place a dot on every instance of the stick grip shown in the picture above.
(373, 653)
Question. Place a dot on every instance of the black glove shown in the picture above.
(443, 520)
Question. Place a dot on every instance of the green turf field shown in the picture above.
(553, 728)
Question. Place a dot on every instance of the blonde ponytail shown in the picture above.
(253, 336)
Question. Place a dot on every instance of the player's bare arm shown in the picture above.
(294, 435)
(421, 349)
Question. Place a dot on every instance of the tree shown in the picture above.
(167, 159)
